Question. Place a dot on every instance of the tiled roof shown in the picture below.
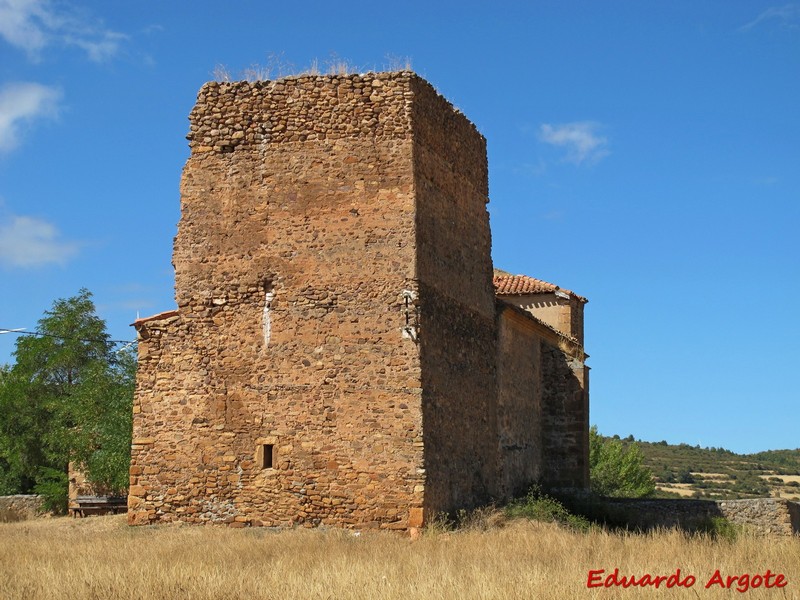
(506, 284)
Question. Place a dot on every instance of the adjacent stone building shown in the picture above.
(342, 352)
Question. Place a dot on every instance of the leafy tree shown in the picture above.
(617, 469)
(101, 443)
(66, 399)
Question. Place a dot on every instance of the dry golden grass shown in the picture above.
(102, 558)
(677, 488)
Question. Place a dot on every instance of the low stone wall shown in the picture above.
(765, 516)
(20, 507)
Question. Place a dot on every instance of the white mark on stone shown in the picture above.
(267, 325)
(410, 329)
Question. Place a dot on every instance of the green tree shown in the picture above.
(617, 469)
(66, 399)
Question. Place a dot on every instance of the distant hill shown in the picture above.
(691, 471)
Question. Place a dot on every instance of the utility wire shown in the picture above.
(65, 337)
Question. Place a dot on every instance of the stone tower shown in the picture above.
(333, 356)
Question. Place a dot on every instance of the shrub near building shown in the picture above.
(617, 469)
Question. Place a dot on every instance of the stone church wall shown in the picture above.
(333, 359)
(519, 402)
(565, 418)
(542, 404)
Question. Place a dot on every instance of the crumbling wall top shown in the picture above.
(233, 115)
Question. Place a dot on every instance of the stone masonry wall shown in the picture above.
(576, 319)
(564, 315)
(519, 402)
(20, 507)
(764, 516)
(334, 355)
(456, 300)
(565, 418)
(542, 404)
(295, 246)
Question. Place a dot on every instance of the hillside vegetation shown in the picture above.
(691, 471)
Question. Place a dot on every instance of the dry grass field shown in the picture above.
(682, 489)
(101, 558)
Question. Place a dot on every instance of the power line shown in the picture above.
(65, 337)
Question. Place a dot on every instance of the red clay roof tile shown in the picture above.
(518, 285)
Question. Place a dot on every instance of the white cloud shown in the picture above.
(580, 139)
(787, 16)
(101, 49)
(32, 25)
(21, 102)
(27, 242)
(19, 24)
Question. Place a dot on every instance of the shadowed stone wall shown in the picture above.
(457, 330)
(565, 417)
(764, 516)
(542, 405)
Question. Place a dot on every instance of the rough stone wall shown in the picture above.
(576, 319)
(563, 314)
(519, 402)
(545, 307)
(542, 399)
(20, 507)
(456, 300)
(565, 418)
(80, 486)
(333, 357)
(764, 516)
(295, 245)
(794, 515)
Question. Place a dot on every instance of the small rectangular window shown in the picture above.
(265, 456)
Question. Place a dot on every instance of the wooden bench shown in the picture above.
(84, 506)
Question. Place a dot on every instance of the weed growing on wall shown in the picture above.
(276, 66)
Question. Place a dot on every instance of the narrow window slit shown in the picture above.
(266, 456)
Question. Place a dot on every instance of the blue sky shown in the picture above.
(643, 154)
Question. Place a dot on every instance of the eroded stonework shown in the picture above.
(338, 355)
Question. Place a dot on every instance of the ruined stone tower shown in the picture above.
(334, 355)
